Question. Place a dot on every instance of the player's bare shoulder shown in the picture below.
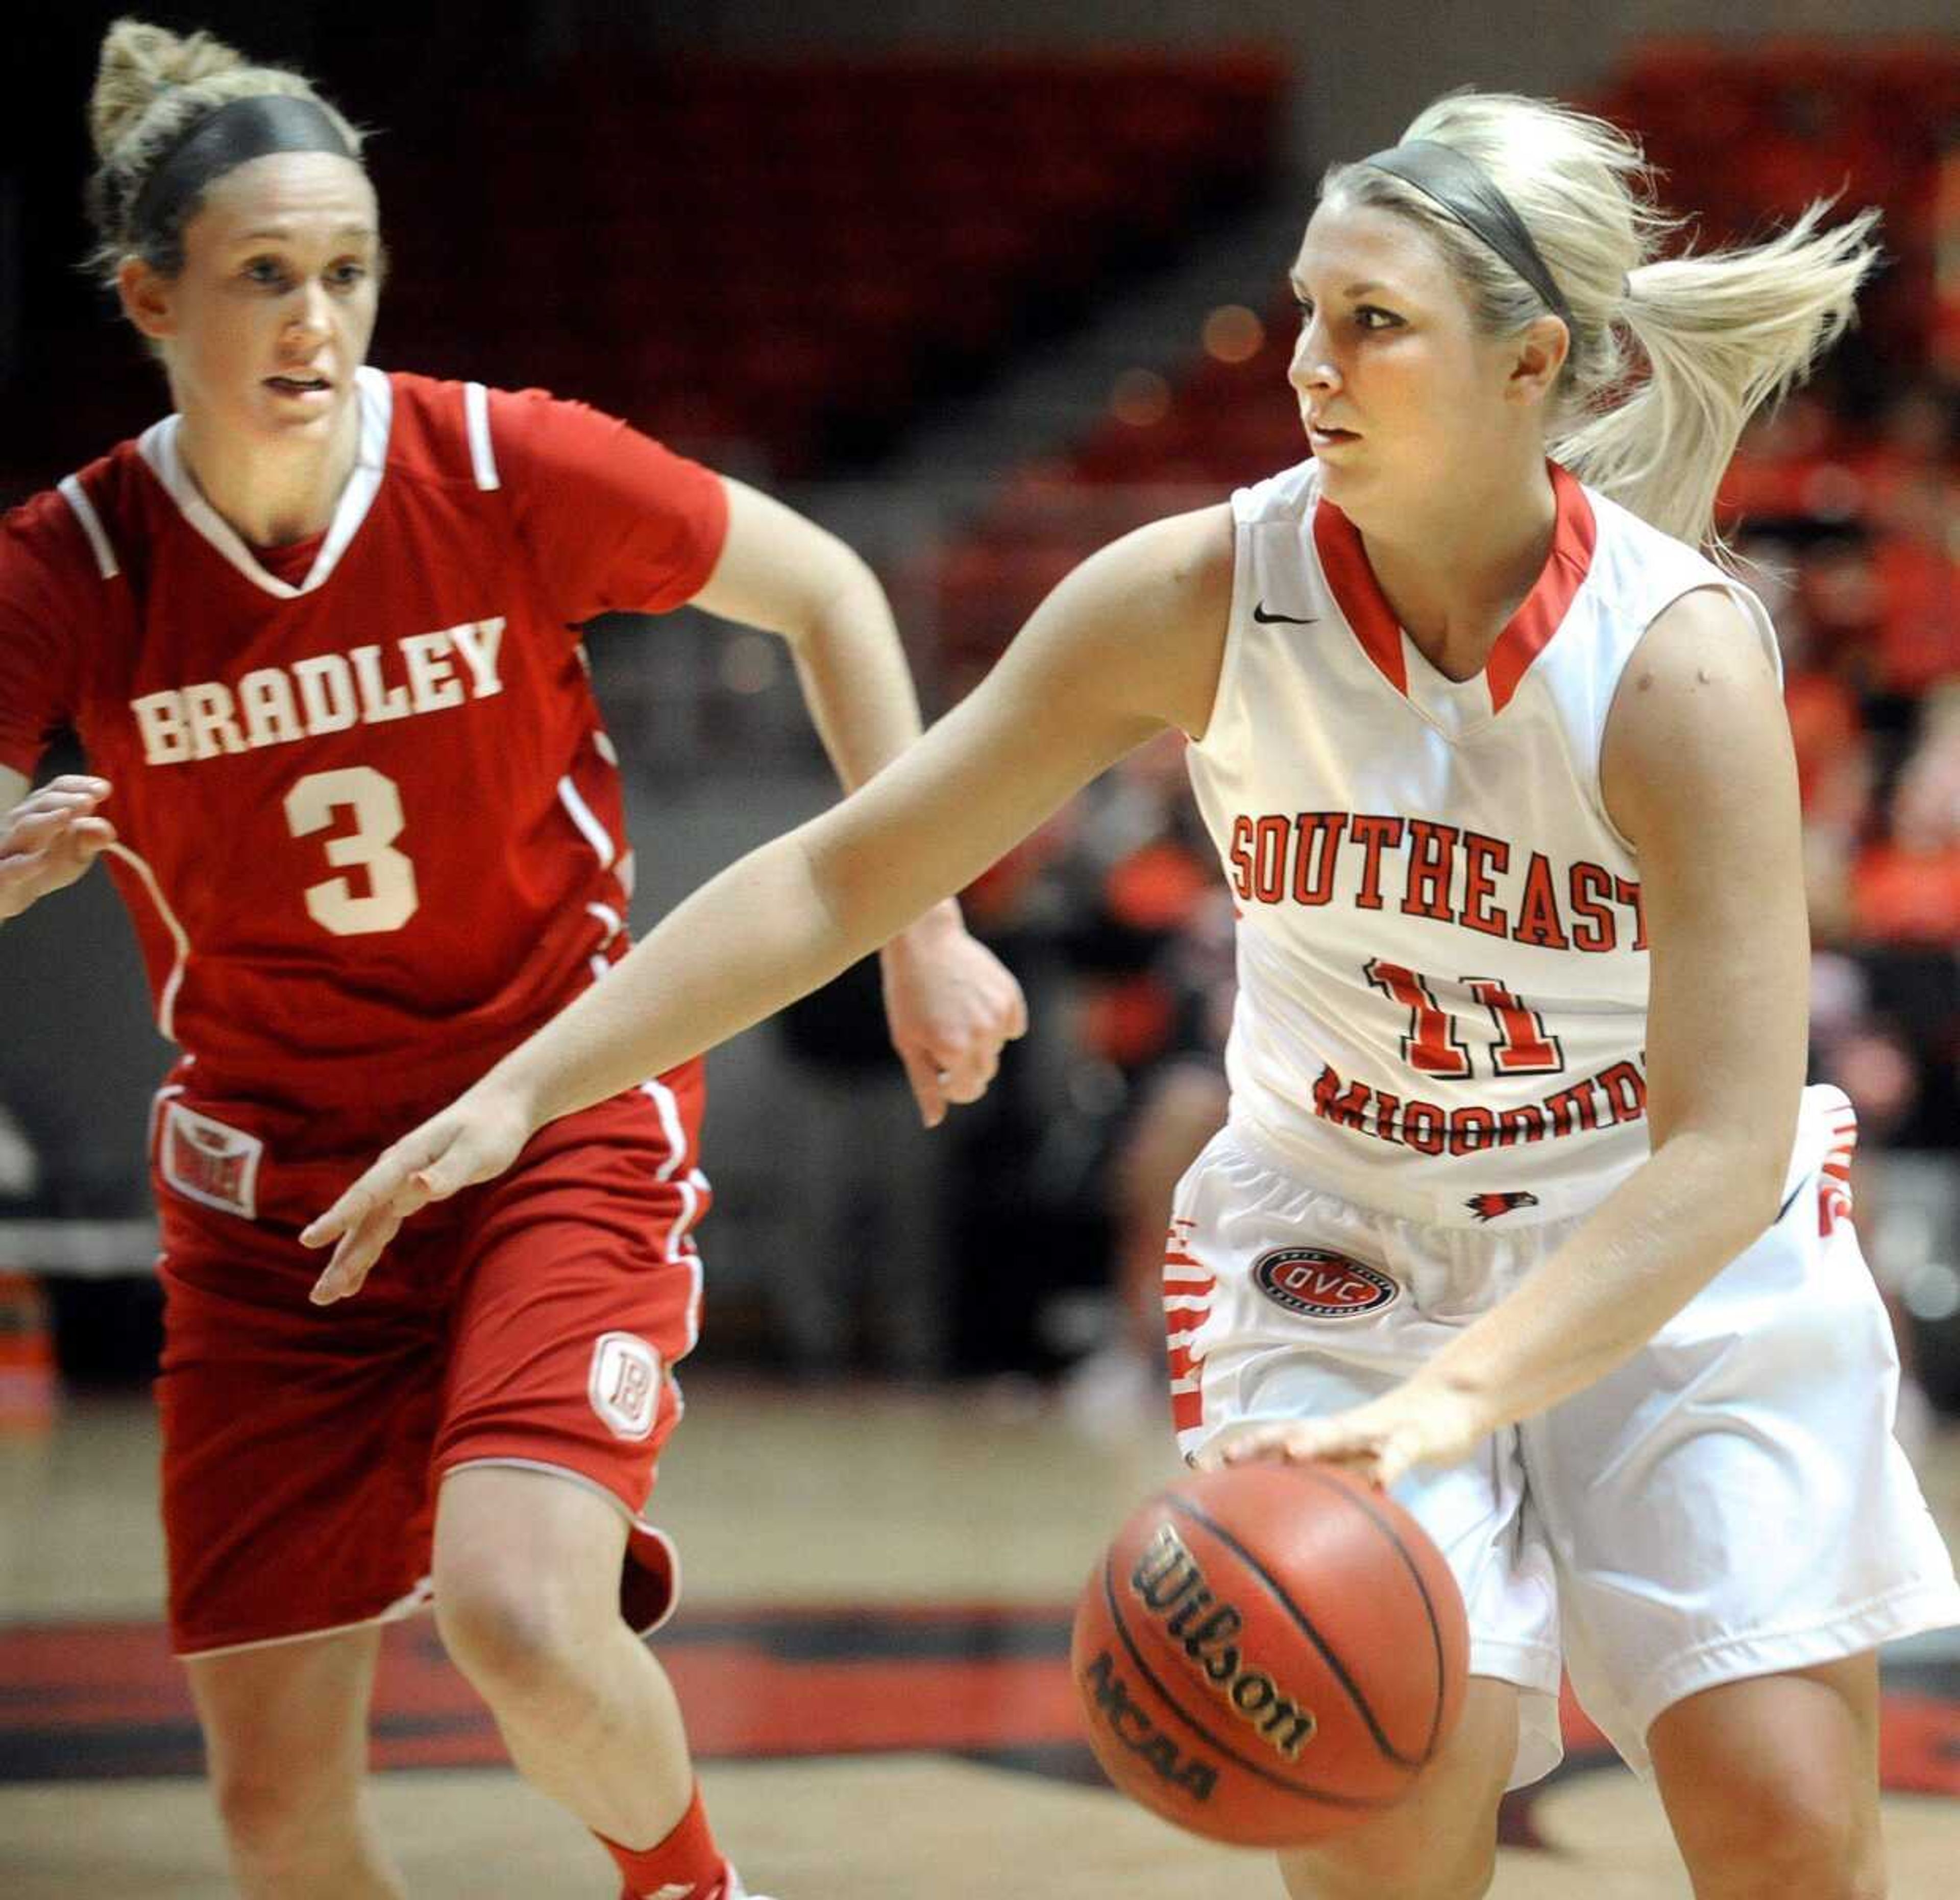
(1153, 608)
(1699, 706)
(1183, 565)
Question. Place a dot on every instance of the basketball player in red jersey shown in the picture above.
(1522, 1207)
(316, 631)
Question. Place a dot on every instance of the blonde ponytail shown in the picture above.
(1669, 355)
(1721, 335)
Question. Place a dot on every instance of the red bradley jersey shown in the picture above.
(371, 830)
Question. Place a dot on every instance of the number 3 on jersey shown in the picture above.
(390, 898)
(1434, 1045)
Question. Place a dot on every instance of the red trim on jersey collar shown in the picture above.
(1358, 594)
(1344, 560)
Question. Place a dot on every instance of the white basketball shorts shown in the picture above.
(1730, 1502)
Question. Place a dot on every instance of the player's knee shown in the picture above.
(275, 1818)
(518, 1644)
(1790, 1841)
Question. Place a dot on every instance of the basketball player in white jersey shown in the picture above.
(1522, 1207)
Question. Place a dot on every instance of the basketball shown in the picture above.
(1269, 1653)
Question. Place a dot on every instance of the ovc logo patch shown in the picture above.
(1317, 1282)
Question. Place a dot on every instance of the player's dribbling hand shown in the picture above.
(50, 838)
(950, 1004)
(1414, 1424)
(476, 1137)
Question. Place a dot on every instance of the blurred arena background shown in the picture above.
(981, 286)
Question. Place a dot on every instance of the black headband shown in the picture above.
(1460, 187)
(238, 131)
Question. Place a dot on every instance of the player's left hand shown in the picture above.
(950, 1004)
(477, 1136)
(1417, 1424)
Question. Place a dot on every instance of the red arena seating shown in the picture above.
(778, 260)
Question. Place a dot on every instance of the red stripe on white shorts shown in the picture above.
(1188, 1286)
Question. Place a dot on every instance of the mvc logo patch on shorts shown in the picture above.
(1317, 1282)
(625, 1384)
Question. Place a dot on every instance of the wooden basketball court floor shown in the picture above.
(873, 1653)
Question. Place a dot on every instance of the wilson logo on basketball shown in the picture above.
(1318, 1283)
(1169, 1582)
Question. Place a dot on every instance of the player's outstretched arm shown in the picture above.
(48, 838)
(1699, 775)
(950, 1002)
(1129, 643)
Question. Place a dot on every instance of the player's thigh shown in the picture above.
(1440, 1842)
(1782, 1767)
(285, 1724)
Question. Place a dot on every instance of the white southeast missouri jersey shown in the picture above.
(1443, 967)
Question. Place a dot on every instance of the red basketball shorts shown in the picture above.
(534, 1320)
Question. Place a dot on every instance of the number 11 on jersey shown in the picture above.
(1435, 1043)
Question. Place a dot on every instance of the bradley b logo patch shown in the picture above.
(625, 1386)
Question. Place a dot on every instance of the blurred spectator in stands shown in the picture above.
(1836, 591)
(1176, 1105)
(1784, 467)
(1870, 1058)
(1149, 941)
(1916, 569)
(866, 1285)
(1884, 1024)
(1905, 887)
(19, 1164)
(1859, 1050)
(1833, 757)
(1916, 438)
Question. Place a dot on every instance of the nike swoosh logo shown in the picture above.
(1266, 619)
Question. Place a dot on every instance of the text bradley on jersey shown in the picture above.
(325, 693)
